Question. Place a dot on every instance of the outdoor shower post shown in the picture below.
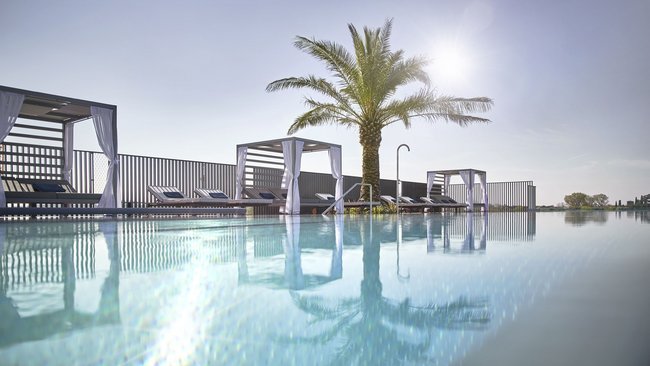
(397, 178)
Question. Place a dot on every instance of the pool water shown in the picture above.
(439, 289)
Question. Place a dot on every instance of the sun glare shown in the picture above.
(450, 62)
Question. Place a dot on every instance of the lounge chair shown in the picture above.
(280, 193)
(330, 198)
(172, 196)
(442, 201)
(33, 191)
(279, 197)
(218, 196)
(262, 193)
(403, 203)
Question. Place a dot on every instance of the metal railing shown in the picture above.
(137, 172)
(344, 194)
(500, 194)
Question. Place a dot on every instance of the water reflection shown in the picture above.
(638, 215)
(444, 228)
(375, 330)
(288, 237)
(580, 218)
(470, 233)
(52, 260)
(235, 275)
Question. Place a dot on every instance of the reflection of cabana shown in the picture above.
(445, 228)
(293, 278)
(17, 328)
(48, 130)
(442, 177)
(259, 165)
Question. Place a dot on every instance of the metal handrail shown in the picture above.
(345, 194)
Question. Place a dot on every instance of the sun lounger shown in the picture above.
(330, 198)
(33, 191)
(172, 196)
(279, 195)
(403, 203)
(262, 193)
(442, 201)
(218, 196)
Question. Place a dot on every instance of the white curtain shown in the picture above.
(10, 104)
(292, 151)
(430, 177)
(337, 173)
(468, 179)
(241, 168)
(103, 121)
(483, 180)
(68, 150)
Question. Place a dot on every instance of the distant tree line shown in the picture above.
(579, 199)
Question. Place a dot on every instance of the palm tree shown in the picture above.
(362, 96)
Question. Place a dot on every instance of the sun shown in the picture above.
(450, 62)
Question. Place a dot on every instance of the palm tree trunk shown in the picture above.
(370, 140)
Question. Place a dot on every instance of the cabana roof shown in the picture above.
(54, 108)
(457, 171)
(276, 145)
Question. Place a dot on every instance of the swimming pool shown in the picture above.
(501, 288)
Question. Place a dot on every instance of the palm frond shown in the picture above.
(314, 83)
(337, 59)
(347, 118)
(313, 117)
(446, 108)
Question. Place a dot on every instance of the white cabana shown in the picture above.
(257, 161)
(442, 177)
(63, 112)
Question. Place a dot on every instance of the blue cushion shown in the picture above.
(173, 194)
(267, 195)
(47, 187)
(218, 195)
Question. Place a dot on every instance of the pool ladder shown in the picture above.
(345, 194)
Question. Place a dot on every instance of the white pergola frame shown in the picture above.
(442, 177)
(291, 150)
(37, 106)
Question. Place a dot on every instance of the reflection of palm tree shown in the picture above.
(377, 330)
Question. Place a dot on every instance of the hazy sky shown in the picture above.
(570, 80)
